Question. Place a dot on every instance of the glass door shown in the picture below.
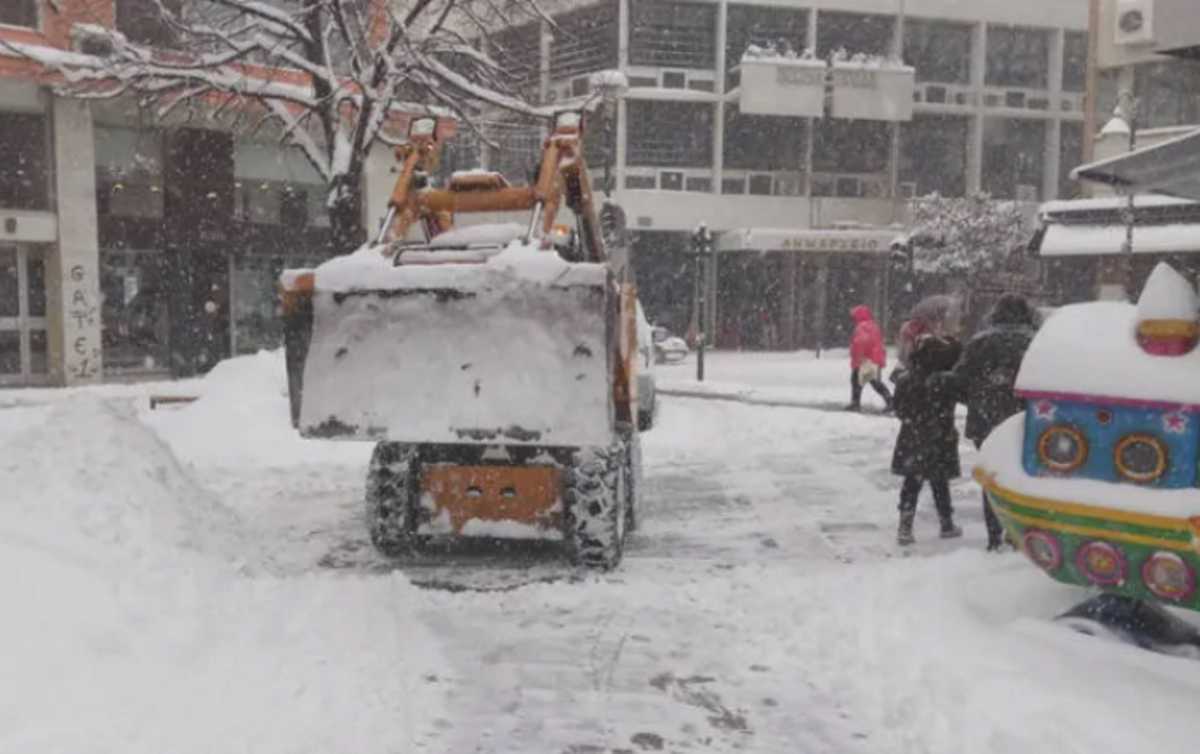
(23, 330)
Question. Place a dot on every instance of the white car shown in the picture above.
(668, 347)
(647, 403)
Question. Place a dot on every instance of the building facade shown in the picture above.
(131, 248)
(997, 106)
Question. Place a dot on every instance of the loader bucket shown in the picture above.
(514, 350)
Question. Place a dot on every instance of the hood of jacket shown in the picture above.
(861, 313)
(1012, 310)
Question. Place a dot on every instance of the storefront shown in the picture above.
(787, 289)
(24, 338)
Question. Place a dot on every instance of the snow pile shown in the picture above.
(242, 418)
(486, 233)
(91, 477)
(1001, 455)
(131, 622)
(1091, 349)
(1167, 295)
(772, 53)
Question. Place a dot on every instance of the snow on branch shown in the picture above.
(330, 75)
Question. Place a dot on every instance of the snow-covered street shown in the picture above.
(198, 578)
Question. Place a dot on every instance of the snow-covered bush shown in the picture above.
(965, 236)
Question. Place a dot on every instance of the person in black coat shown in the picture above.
(927, 446)
(984, 377)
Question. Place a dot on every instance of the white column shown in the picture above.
(978, 77)
(622, 108)
(1053, 154)
(378, 181)
(718, 161)
(73, 277)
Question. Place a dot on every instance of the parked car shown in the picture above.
(668, 347)
(647, 400)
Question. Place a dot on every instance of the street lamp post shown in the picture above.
(701, 252)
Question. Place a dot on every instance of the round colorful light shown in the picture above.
(1043, 549)
(1101, 563)
(1168, 576)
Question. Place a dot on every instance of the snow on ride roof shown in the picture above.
(1167, 295)
(1001, 455)
(370, 268)
(1091, 349)
(488, 233)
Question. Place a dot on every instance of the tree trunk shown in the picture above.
(345, 215)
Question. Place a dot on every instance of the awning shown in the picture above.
(836, 241)
(1060, 240)
(1171, 167)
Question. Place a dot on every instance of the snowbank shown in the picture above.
(242, 419)
(1092, 349)
(132, 622)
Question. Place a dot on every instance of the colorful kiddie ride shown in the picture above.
(1097, 481)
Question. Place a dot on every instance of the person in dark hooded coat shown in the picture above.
(927, 445)
(985, 375)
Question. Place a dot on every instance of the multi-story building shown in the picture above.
(996, 105)
(1147, 92)
(129, 247)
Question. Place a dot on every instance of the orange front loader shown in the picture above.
(492, 365)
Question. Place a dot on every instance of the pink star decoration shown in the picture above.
(1044, 410)
(1175, 422)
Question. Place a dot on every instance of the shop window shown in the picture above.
(1013, 154)
(763, 142)
(135, 323)
(1070, 156)
(23, 162)
(1075, 55)
(933, 154)
(851, 146)
(129, 172)
(19, 13)
(673, 35)
(10, 351)
(585, 41)
(939, 50)
(782, 29)
(254, 279)
(35, 277)
(1017, 56)
(275, 185)
(854, 32)
(39, 362)
(669, 134)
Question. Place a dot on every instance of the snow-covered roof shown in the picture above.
(1063, 240)
(1068, 206)
(1091, 350)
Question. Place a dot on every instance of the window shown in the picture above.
(763, 142)
(1168, 93)
(1075, 55)
(1017, 56)
(135, 320)
(1070, 156)
(855, 33)
(673, 35)
(276, 186)
(669, 134)
(586, 40)
(19, 13)
(1013, 154)
(129, 172)
(1140, 458)
(24, 166)
(142, 21)
(1062, 449)
(781, 28)
(933, 154)
(940, 51)
(851, 146)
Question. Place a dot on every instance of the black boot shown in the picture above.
(904, 535)
(950, 530)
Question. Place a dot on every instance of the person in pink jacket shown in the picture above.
(867, 358)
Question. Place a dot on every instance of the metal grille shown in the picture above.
(670, 134)
(585, 41)
(674, 35)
